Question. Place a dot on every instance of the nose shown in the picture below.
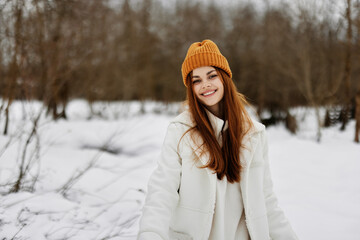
(206, 84)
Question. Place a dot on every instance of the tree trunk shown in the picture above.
(6, 119)
(347, 70)
(357, 115)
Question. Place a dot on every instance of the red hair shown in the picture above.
(225, 160)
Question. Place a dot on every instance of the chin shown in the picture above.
(210, 104)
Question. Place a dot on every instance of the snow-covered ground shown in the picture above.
(110, 158)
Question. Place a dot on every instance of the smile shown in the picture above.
(208, 93)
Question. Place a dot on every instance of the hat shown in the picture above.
(204, 53)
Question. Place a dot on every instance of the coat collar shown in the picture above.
(185, 118)
(250, 140)
(217, 124)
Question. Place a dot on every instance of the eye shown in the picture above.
(213, 76)
(196, 81)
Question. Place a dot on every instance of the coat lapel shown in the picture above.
(246, 156)
(198, 147)
(250, 142)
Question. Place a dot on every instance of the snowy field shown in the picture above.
(88, 175)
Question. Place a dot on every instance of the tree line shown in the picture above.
(306, 54)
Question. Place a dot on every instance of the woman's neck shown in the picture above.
(217, 110)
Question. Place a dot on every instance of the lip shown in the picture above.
(202, 94)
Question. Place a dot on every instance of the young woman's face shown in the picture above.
(208, 87)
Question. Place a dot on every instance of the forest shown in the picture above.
(282, 56)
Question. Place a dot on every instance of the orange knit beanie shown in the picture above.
(204, 53)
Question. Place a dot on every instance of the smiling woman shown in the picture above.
(213, 177)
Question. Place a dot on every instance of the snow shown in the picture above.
(113, 153)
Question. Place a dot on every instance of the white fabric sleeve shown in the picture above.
(162, 195)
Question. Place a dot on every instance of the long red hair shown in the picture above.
(225, 160)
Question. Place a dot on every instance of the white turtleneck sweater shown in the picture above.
(229, 218)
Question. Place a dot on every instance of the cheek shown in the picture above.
(222, 92)
(196, 90)
(221, 89)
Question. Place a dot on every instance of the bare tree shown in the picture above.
(347, 67)
(27, 160)
(357, 97)
(306, 60)
(357, 116)
(17, 57)
(276, 92)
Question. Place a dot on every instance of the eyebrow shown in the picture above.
(206, 74)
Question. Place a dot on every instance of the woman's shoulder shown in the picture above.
(184, 118)
(177, 127)
(257, 126)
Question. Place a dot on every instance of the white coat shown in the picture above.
(181, 197)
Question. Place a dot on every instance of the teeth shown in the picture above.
(205, 94)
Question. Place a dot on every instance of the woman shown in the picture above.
(213, 179)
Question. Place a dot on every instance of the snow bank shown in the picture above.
(114, 153)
